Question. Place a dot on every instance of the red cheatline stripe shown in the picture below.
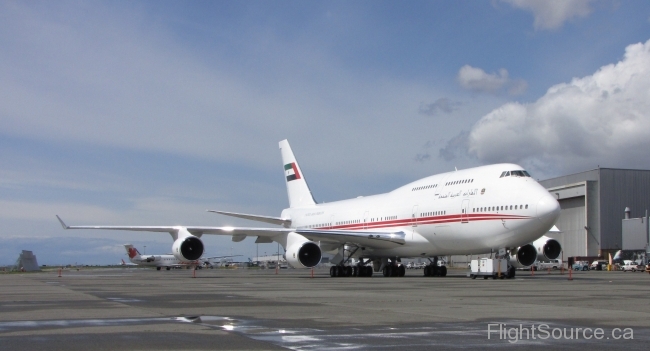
(426, 220)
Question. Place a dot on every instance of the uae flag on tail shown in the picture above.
(291, 171)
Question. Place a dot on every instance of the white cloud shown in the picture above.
(553, 14)
(438, 107)
(601, 119)
(476, 79)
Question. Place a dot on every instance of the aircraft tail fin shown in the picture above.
(297, 188)
(131, 251)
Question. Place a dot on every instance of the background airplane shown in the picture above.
(127, 263)
(495, 208)
(167, 261)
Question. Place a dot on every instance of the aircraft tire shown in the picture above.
(473, 276)
(435, 271)
(368, 271)
(355, 271)
(443, 271)
(348, 271)
(401, 270)
(157, 268)
(168, 268)
(333, 271)
(386, 271)
(427, 271)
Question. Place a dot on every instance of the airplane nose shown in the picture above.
(548, 207)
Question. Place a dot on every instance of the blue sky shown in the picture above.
(151, 112)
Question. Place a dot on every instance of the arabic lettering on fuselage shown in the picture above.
(469, 192)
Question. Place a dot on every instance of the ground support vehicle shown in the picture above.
(488, 267)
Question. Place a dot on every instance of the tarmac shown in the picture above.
(252, 309)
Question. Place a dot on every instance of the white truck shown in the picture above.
(632, 267)
(488, 267)
(552, 264)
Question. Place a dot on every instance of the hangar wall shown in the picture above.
(592, 208)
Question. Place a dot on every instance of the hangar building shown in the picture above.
(592, 208)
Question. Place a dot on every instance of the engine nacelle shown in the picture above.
(150, 258)
(304, 254)
(523, 256)
(547, 248)
(189, 248)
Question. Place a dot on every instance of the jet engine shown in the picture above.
(189, 248)
(523, 256)
(150, 258)
(547, 248)
(304, 254)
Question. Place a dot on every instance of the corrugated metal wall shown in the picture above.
(570, 179)
(620, 188)
(609, 192)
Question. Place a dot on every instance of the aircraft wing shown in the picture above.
(378, 240)
(213, 257)
(369, 239)
(265, 219)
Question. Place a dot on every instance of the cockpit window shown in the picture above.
(520, 173)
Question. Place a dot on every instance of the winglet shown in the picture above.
(62, 223)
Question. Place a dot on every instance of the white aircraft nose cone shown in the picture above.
(548, 208)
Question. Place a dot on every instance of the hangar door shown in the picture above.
(572, 223)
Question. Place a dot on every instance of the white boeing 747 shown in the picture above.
(494, 208)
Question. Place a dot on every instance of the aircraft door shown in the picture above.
(414, 216)
(464, 217)
(414, 220)
(365, 219)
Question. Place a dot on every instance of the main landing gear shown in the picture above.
(343, 270)
(394, 270)
(351, 271)
(433, 270)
